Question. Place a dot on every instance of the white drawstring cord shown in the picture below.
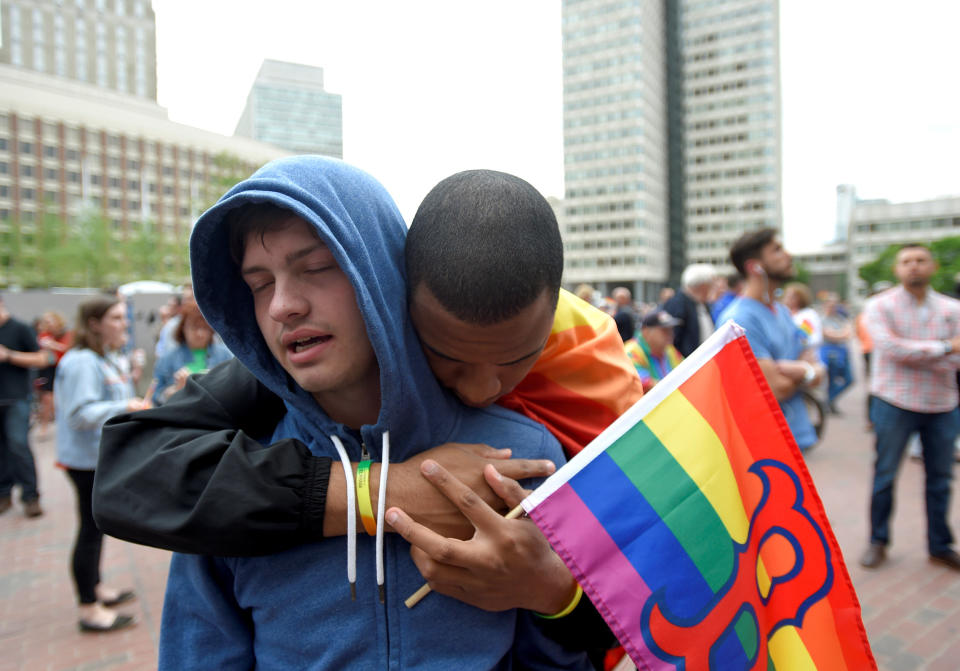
(351, 517)
(381, 506)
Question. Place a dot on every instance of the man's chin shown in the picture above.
(475, 404)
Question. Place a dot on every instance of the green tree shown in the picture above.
(226, 171)
(946, 252)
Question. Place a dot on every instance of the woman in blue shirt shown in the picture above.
(91, 387)
(197, 351)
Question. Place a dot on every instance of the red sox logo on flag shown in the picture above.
(736, 609)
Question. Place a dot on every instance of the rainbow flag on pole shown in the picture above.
(695, 529)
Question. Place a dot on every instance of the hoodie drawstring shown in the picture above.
(351, 517)
(381, 506)
(352, 514)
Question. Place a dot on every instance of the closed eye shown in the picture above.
(257, 287)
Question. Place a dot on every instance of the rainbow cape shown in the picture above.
(694, 527)
(582, 380)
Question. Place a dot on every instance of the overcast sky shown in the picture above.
(432, 87)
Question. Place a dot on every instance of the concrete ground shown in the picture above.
(911, 608)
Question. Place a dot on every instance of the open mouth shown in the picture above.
(307, 343)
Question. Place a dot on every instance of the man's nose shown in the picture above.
(478, 384)
(287, 302)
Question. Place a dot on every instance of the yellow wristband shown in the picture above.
(363, 498)
(574, 602)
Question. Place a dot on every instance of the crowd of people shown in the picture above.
(354, 352)
(76, 379)
(909, 336)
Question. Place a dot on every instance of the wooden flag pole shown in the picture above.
(424, 590)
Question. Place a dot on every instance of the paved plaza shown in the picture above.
(911, 608)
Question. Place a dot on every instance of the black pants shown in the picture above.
(86, 550)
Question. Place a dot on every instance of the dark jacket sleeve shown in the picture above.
(189, 476)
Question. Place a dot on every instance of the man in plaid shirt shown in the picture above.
(916, 353)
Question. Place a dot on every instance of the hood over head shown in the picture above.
(358, 221)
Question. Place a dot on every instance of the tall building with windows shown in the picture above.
(108, 43)
(671, 135)
(71, 151)
(288, 107)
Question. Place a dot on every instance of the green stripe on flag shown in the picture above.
(677, 500)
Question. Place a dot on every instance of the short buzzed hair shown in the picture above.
(486, 244)
(914, 245)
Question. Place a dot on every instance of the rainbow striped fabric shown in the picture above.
(694, 527)
(582, 381)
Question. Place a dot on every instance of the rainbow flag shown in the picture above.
(694, 527)
(582, 380)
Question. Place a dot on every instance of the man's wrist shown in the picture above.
(559, 599)
(947, 346)
(809, 372)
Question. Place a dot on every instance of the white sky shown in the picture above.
(430, 87)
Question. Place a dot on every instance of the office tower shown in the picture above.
(731, 75)
(108, 43)
(671, 135)
(615, 143)
(846, 201)
(288, 107)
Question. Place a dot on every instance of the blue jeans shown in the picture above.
(893, 426)
(839, 374)
(16, 460)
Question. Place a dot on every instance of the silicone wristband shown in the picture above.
(574, 602)
(363, 498)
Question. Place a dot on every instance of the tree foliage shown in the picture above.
(226, 171)
(946, 252)
(87, 253)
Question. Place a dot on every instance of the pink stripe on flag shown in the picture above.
(563, 515)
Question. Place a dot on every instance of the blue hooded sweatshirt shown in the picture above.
(293, 610)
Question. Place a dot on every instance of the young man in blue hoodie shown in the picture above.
(312, 300)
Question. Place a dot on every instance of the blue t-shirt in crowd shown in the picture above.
(772, 334)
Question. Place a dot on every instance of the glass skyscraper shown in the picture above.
(288, 107)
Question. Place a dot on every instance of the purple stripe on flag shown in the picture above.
(614, 585)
